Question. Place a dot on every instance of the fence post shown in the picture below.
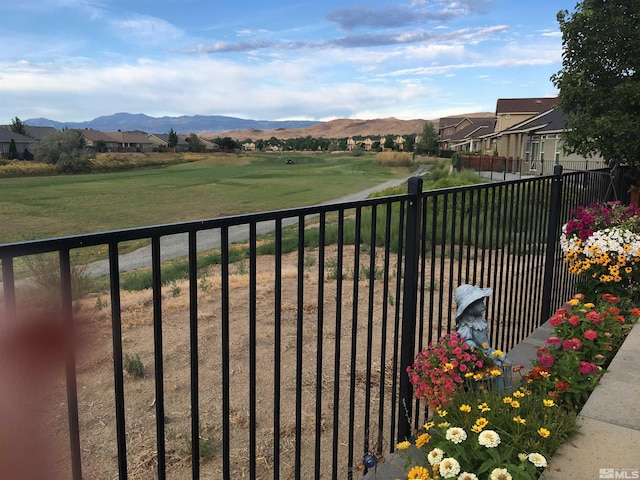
(409, 305)
(555, 205)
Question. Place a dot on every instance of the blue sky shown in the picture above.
(74, 60)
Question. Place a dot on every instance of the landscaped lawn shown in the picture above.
(216, 185)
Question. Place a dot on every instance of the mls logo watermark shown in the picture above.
(620, 473)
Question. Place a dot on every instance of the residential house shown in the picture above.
(448, 126)
(160, 141)
(469, 138)
(452, 130)
(22, 142)
(99, 141)
(538, 142)
(132, 141)
(367, 144)
(510, 111)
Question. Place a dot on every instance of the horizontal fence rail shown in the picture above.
(276, 344)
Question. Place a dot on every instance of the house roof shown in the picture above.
(525, 105)
(553, 120)
(481, 126)
(97, 135)
(7, 134)
(134, 136)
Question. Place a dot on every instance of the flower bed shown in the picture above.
(478, 433)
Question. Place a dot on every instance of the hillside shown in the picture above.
(341, 128)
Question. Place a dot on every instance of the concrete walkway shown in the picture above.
(607, 444)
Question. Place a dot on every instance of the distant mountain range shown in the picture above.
(183, 124)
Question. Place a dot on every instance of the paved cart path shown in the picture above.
(174, 246)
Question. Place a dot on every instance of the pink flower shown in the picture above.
(587, 368)
(554, 341)
(572, 344)
(594, 317)
(545, 360)
(590, 334)
(575, 319)
(556, 320)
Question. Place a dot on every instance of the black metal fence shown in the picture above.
(281, 354)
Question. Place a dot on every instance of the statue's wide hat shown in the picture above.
(465, 295)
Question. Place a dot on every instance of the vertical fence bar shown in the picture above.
(9, 288)
(158, 357)
(555, 204)
(118, 380)
(319, 344)
(253, 420)
(277, 345)
(338, 340)
(226, 382)
(193, 344)
(409, 304)
(299, 346)
(70, 366)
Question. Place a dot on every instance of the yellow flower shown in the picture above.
(543, 432)
(444, 425)
(477, 376)
(403, 445)
(544, 374)
(482, 421)
(515, 404)
(495, 372)
(422, 440)
(468, 374)
(518, 394)
(519, 419)
(465, 408)
(589, 305)
(483, 407)
(442, 413)
(507, 400)
(418, 473)
(497, 353)
(548, 402)
(428, 425)
(477, 428)
(573, 302)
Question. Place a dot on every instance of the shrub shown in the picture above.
(133, 365)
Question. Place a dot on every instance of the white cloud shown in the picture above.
(146, 29)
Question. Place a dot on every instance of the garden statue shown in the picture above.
(471, 324)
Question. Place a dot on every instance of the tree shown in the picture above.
(13, 150)
(173, 139)
(65, 149)
(388, 142)
(18, 127)
(598, 84)
(195, 145)
(428, 144)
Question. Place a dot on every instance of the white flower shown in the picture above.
(489, 439)
(538, 460)
(449, 468)
(467, 476)
(500, 474)
(435, 456)
(456, 435)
